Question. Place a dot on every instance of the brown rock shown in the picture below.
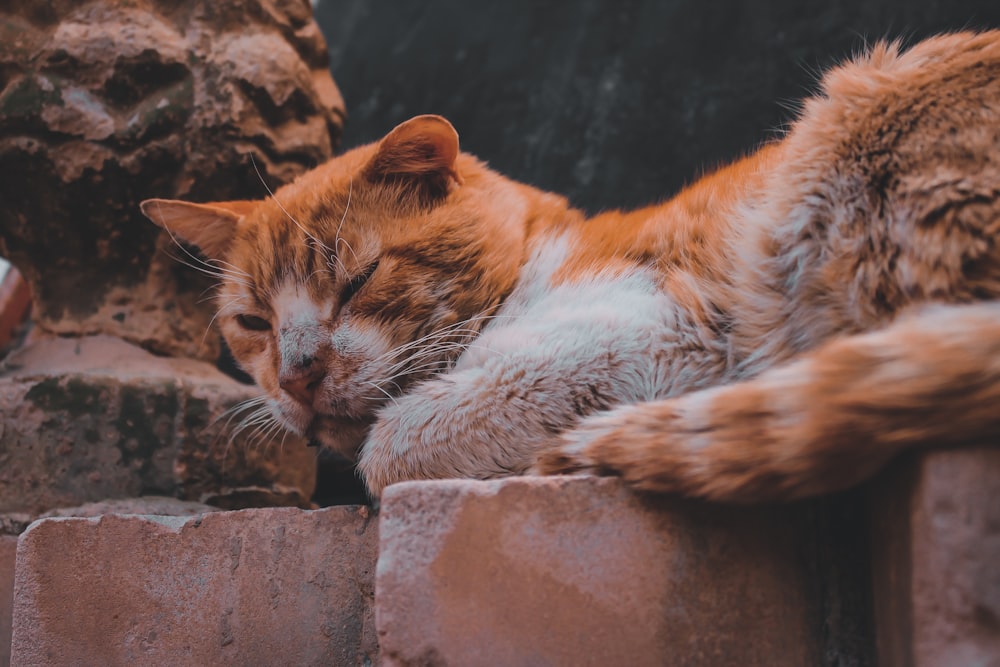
(276, 586)
(97, 418)
(8, 548)
(8, 544)
(936, 565)
(104, 103)
(579, 571)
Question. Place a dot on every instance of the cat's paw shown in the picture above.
(644, 444)
(587, 449)
(386, 453)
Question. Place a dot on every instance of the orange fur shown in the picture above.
(390, 293)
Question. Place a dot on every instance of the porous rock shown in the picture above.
(104, 103)
(580, 571)
(936, 523)
(8, 542)
(97, 418)
(253, 587)
(8, 550)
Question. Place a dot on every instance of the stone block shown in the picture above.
(104, 103)
(8, 549)
(936, 559)
(251, 587)
(579, 571)
(95, 418)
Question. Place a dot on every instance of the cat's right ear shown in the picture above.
(421, 151)
(211, 227)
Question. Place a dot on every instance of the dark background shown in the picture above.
(615, 103)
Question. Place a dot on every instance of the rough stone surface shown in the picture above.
(97, 418)
(104, 103)
(936, 527)
(8, 543)
(578, 571)
(254, 587)
(8, 549)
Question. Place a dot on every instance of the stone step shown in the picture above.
(558, 571)
(248, 587)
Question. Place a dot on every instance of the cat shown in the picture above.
(780, 328)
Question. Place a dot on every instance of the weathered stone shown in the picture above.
(936, 565)
(8, 549)
(8, 544)
(579, 571)
(104, 103)
(275, 586)
(97, 418)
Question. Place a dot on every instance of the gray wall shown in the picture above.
(612, 102)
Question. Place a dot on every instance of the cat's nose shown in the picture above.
(302, 384)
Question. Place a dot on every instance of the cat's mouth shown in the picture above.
(342, 435)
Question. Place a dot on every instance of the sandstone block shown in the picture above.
(936, 562)
(252, 587)
(8, 549)
(579, 571)
(96, 418)
(15, 524)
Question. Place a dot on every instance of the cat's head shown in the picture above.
(360, 278)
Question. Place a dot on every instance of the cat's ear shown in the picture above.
(422, 150)
(209, 226)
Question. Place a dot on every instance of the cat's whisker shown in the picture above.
(233, 410)
(387, 394)
(462, 326)
(337, 238)
(212, 272)
(222, 309)
(284, 210)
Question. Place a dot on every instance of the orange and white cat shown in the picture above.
(780, 328)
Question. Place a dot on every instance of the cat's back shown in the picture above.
(887, 194)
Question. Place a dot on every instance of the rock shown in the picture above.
(274, 586)
(8, 549)
(8, 544)
(579, 571)
(97, 418)
(158, 505)
(936, 517)
(104, 103)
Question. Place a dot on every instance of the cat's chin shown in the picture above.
(341, 435)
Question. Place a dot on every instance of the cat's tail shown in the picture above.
(821, 423)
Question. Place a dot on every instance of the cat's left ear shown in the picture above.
(211, 227)
(423, 151)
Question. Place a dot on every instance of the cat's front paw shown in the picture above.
(383, 460)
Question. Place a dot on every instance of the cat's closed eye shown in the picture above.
(253, 322)
(357, 282)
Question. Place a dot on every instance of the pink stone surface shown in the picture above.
(251, 587)
(579, 571)
(8, 547)
(936, 564)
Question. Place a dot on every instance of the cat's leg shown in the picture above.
(821, 423)
(580, 349)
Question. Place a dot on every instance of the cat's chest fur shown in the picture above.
(614, 330)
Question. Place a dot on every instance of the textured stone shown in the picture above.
(97, 418)
(8, 542)
(579, 571)
(8, 549)
(936, 564)
(104, 103)
(275, 586)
